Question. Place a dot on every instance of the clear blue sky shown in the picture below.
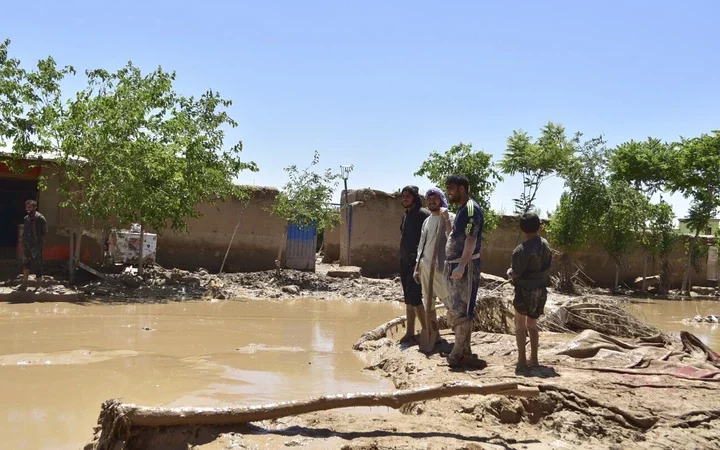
(381, 84)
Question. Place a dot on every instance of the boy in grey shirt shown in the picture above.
(530, 272)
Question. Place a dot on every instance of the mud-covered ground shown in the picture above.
(160, 284)
(577, 408)
(580, 405)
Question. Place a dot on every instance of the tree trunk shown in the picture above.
(142, 250)
(141, 416)
(717, 273)
(71, 261)
(665, 274)
(617, 277)
(75, 252)
(565, 274)
(281, 248)
(685, 289)
(643, 287)
(717, 266)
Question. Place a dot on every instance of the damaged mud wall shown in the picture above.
(374, 232)
(255, 245)
(375, 240)
(331, 242)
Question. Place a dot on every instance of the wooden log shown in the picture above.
(382, 330)
(162, 417)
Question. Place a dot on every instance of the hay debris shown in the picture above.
(606, 318)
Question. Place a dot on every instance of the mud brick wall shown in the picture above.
(375, 240)
(375, 234)
(331, 242)
(254, 248)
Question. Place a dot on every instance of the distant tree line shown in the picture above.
(612, 196)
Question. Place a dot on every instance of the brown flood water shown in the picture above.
(59, 362)
(668, 316)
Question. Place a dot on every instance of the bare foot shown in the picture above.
(534, 363)
(406, 339)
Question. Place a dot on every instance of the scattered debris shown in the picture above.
(345, 272)
(601, 315)
(712, 318)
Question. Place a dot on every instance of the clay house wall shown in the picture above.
(375, 240)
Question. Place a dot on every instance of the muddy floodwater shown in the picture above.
(59, 362)
(668, 316)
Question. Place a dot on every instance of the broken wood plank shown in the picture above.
(87, 268)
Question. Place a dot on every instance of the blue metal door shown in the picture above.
(301, 245)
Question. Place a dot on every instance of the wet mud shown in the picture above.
(162, 285)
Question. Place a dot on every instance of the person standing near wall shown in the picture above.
(434, 233)
(462, 268)
(530, 272)
(410, 230)
(33, 237)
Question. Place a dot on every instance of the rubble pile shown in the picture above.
(175, 284)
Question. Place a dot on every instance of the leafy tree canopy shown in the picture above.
(306, 198)
(584, 200)
(648, 165)
(536, 160)
(622, 223)
(127, 146)
(696, 175)
(477, 166)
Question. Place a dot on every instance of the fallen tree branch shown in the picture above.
(705, 417)
(117, 419)
(382, 330)
(379, 332)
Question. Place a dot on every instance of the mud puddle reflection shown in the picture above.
(59, 362)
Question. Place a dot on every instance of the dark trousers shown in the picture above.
(33, 258)
(412, 290)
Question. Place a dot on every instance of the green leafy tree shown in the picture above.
(127, 147)
(477, 166)
(306, 200)
(647, 166)
(32, 111)
(536, 160)
(662, 239)
(622, 223)
(696, 176)
(575, 221)
(169, 147)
